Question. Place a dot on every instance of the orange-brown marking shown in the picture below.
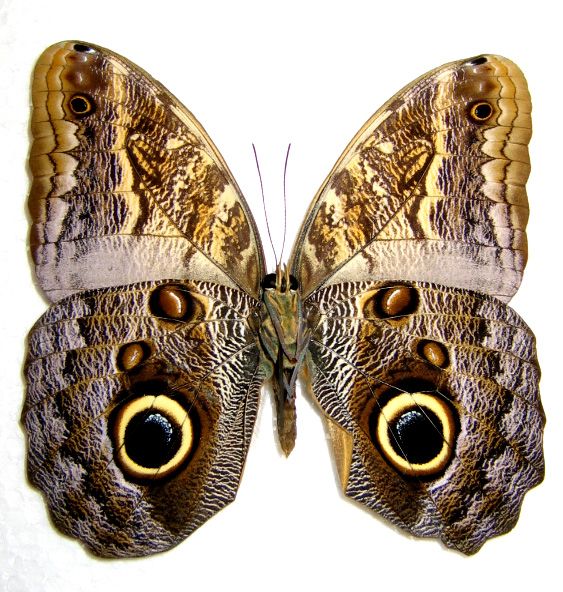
(171, 302)
(397, 301)
(435, 353)
(131, 355)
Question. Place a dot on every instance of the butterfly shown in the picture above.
(144, 375)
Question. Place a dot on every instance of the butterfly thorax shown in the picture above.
(284, 337)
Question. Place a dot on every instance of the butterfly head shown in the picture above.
(281, 281)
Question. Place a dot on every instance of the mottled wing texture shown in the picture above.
(143, 376)
(432, 403)
(127, 186)
(431, 189)
(139, 420)
(409, 252)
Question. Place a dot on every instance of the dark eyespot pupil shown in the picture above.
(269, 281)
(151, 440)
(417, 435)
(482, 111)
(81, 47)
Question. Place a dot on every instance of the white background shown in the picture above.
(271, 73)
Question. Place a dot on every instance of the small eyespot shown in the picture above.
(132, 355)
(81, 105)
(477, 61)
(416, 433)
(434, 352)
(481, 111)
(171, 302)
(153, 436)
(82, 48)
(393, 303)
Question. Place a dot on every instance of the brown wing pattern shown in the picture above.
(432, 402)
(431, 189)
(127, 186)
(140, 406)
(142, 391)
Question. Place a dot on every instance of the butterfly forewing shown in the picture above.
(431, 189)
(127, 186)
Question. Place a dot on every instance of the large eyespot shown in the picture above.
(481, 111)
(153, 436)
(394, 302)
(416, 433)
(81, 105)
(172, 303)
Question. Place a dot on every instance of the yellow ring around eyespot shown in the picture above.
(87, 101)
(405, 402)
(170, 409)
(474, 111)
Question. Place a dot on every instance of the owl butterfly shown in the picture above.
(143, 377)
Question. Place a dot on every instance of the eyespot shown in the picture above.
(81, 105)
(153, 436)
(132, 355)
(393, 303)
(82, 48)
(481, 111)
(434, 352)
(171, 302)
(416, 433)
(477, 61)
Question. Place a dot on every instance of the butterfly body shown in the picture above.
(144, 376)
(285, 337)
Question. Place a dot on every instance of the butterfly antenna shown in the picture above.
(264, 203)
(285, 200)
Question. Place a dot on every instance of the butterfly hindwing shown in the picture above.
(431, 395)
(140, 407)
